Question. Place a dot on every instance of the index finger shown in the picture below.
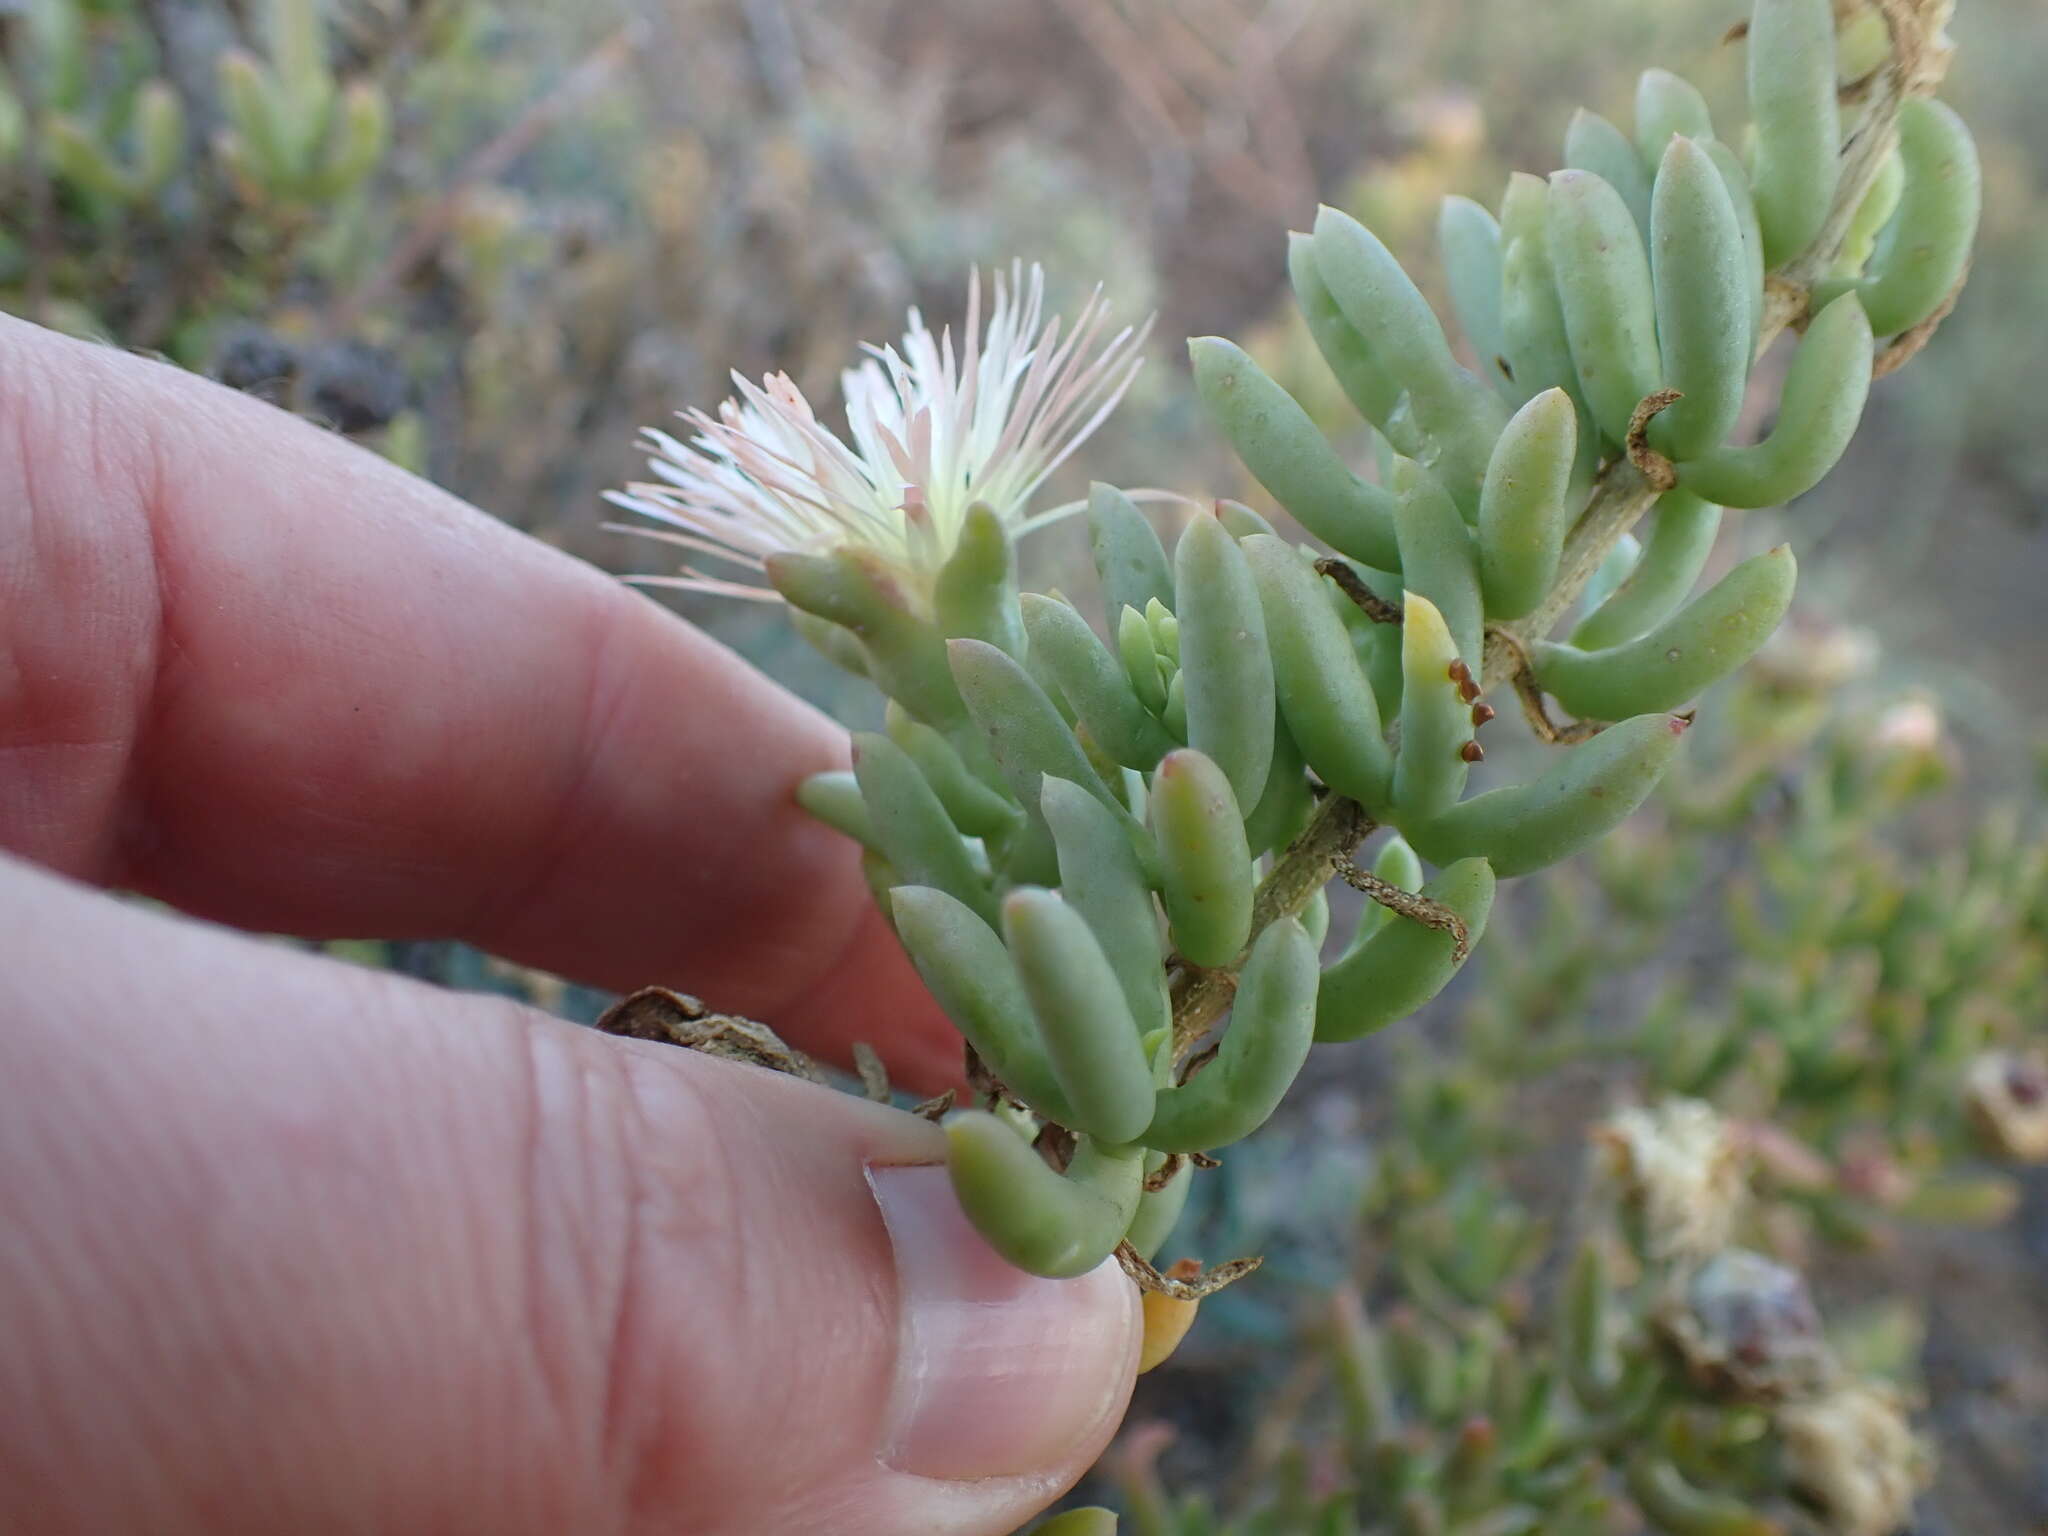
(273, 680)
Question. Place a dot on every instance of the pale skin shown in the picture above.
(292, 1246)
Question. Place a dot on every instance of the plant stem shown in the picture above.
(1201, 996)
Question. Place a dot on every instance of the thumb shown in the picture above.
(293, 1246)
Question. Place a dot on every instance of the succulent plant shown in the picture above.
(1673, 1383)
(1094, 851)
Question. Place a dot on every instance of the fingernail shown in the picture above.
(999, 1373)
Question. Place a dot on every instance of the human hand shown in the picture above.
(293, 1246)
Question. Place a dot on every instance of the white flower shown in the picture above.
(932, 431)
(1854, 1453)
(1681, 1165)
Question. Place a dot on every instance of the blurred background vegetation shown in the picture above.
(492, 240)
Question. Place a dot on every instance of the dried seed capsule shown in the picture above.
(1129, 559)
(1924, 250)
(1405, 963)
(975, 593)
(1469, 239)
(1205, 863)
(1324, 695)
(1272, 1024)
(1524, 508)
(1437, 555)
(1667, 104)
(1436, 721)
(1701, 277)
(1592, 786)
(912, 830)
(1086, 1028)
(1592, 143)
(1051, 1224)
(1603, 284)
(1288, 454)
(1677, 551)
(1748, 1330)
(1736, 180)
(834, 798)
(1093, 683)
(1817, 415)
(1696, 647)
(1793, 165)
(1226, 669)
(1100, 876)
(1361, 375)
(976, 808)
(964, 964)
